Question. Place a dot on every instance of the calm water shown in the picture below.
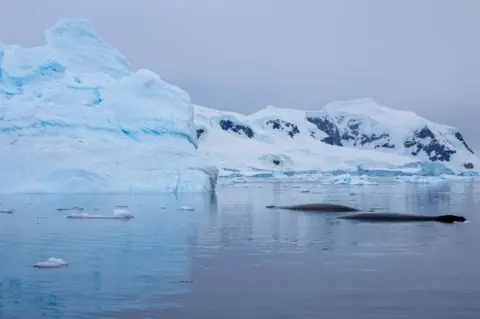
(232, 258)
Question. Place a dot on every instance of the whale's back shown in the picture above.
(317, 207)
(397, 217)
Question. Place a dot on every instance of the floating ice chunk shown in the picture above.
(186, 208)
(73, 208)
(51, 263)
(348, 179)
(87, 216)
(122, 212)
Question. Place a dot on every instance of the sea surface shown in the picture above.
(232, 258)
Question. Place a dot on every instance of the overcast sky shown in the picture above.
(420, 55)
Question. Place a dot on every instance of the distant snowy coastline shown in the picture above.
(358, 137)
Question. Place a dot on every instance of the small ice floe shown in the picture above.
(73, 208)
(117, 214)
(51, 263)
(122, 212)
(186, 208)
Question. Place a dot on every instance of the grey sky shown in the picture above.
(420, 55)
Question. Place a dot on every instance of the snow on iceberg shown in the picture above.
(74, 117)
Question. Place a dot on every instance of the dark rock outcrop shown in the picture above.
(228, 125)
(291, 128)
(353, 129)
(468, 165)
(367, 139)
(434, 150)
(327, 125)
(460, 138)
(200, 131)
(352, 133)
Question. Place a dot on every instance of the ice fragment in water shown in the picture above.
(51, 263)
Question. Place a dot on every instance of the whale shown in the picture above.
(318, 207)
(398, 217)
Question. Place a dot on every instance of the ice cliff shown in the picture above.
(75, 117)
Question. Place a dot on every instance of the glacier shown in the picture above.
(75, 117)
(357, 137)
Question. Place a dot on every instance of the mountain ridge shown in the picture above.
(360, 125)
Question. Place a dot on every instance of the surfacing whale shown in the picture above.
(397, 217)
(318, 207)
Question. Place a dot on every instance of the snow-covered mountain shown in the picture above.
(74, 117)
(342, 136)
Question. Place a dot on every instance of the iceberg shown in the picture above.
(88, 216)
(348, 179)
(75, 117)
(122, 213)
(51, 263)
